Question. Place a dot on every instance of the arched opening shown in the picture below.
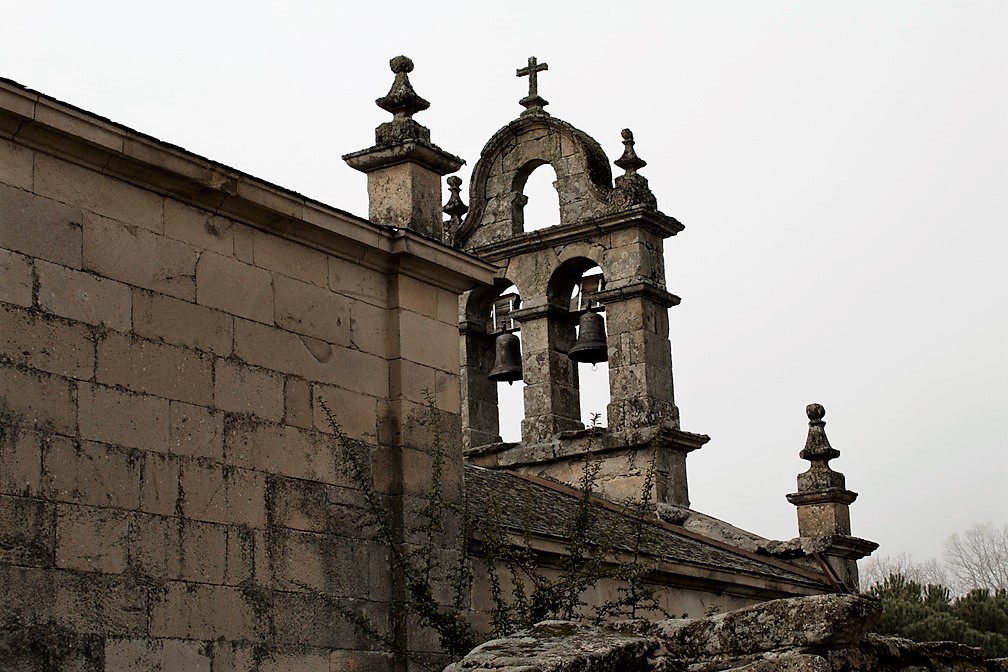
(540, 206)
(576, 285)
(510, 395)
(593, 378)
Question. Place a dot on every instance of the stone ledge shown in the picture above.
(108, 148)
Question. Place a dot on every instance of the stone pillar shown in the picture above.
(823, 502)
(552, 402)
(480, 420)
(640, 357)
(404, 167)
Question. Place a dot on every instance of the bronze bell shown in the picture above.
(507, 359)
(591, 344)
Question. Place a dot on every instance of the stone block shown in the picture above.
(85, 189)
(180, 655)
(15, 279)
(309, 358)
(356, 413)
(40, 342)
(159, 489)
(156, 655)
(312, 311)
(21, 460)
(27, 531)
(93, 602)
(447, 307)
(154, 368)
(221, 494)
(242, 389)
(138, 257)
(40, 227)
(309, 562)
(343, 660)
(140, 421)
(278, 449)
(304, 660)
(195, 431)
(232, 656)
(298, 504)
(38, 400)
(16, 167)
(234, 287)
(81, 602)
(240, 556)
(416, 296)
(194, 611)
(177, 548)
(297, 403)
(304, 619)
(425, 340)
(91, 473)
(197, 227)
(91, 539)
(358, 282)
(448, 392)
(243, 243)
(83, 297)
(290, 259)
(159, 317)
(412, 381)
(368, 328)
(132, 655)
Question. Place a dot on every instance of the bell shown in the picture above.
(507, 359)
(591, 344)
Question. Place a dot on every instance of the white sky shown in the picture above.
(841, 169)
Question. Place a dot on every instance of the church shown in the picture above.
(237, 424)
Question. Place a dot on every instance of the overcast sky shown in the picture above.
(841, 169)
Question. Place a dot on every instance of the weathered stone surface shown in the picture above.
(820, 620)
(561, 646)
(83, 296)
(15, 278)
(139, 257)
(40, 227)
(825, 633)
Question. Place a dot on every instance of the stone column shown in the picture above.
(640, 357)
(480, 420)
(552, 403)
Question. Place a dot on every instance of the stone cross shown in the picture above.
(531, 71)
(533, 102)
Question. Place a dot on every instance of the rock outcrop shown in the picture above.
(823, 633)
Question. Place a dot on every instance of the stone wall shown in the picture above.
(170, 493)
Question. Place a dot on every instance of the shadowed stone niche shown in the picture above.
(614, 225)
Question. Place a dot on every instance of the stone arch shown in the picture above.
(481, 417)
(584, 178)
(540, 206)
(560, 289)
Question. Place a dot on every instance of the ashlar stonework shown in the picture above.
(175, 336)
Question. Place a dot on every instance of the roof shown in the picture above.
(527, 504)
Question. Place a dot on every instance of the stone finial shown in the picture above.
(629, 162)
(404, 167)
(631, 188)
(817, 446)
(402, 100)
(533, 102)
(823, 502)
(454, 208)
(822, 497)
